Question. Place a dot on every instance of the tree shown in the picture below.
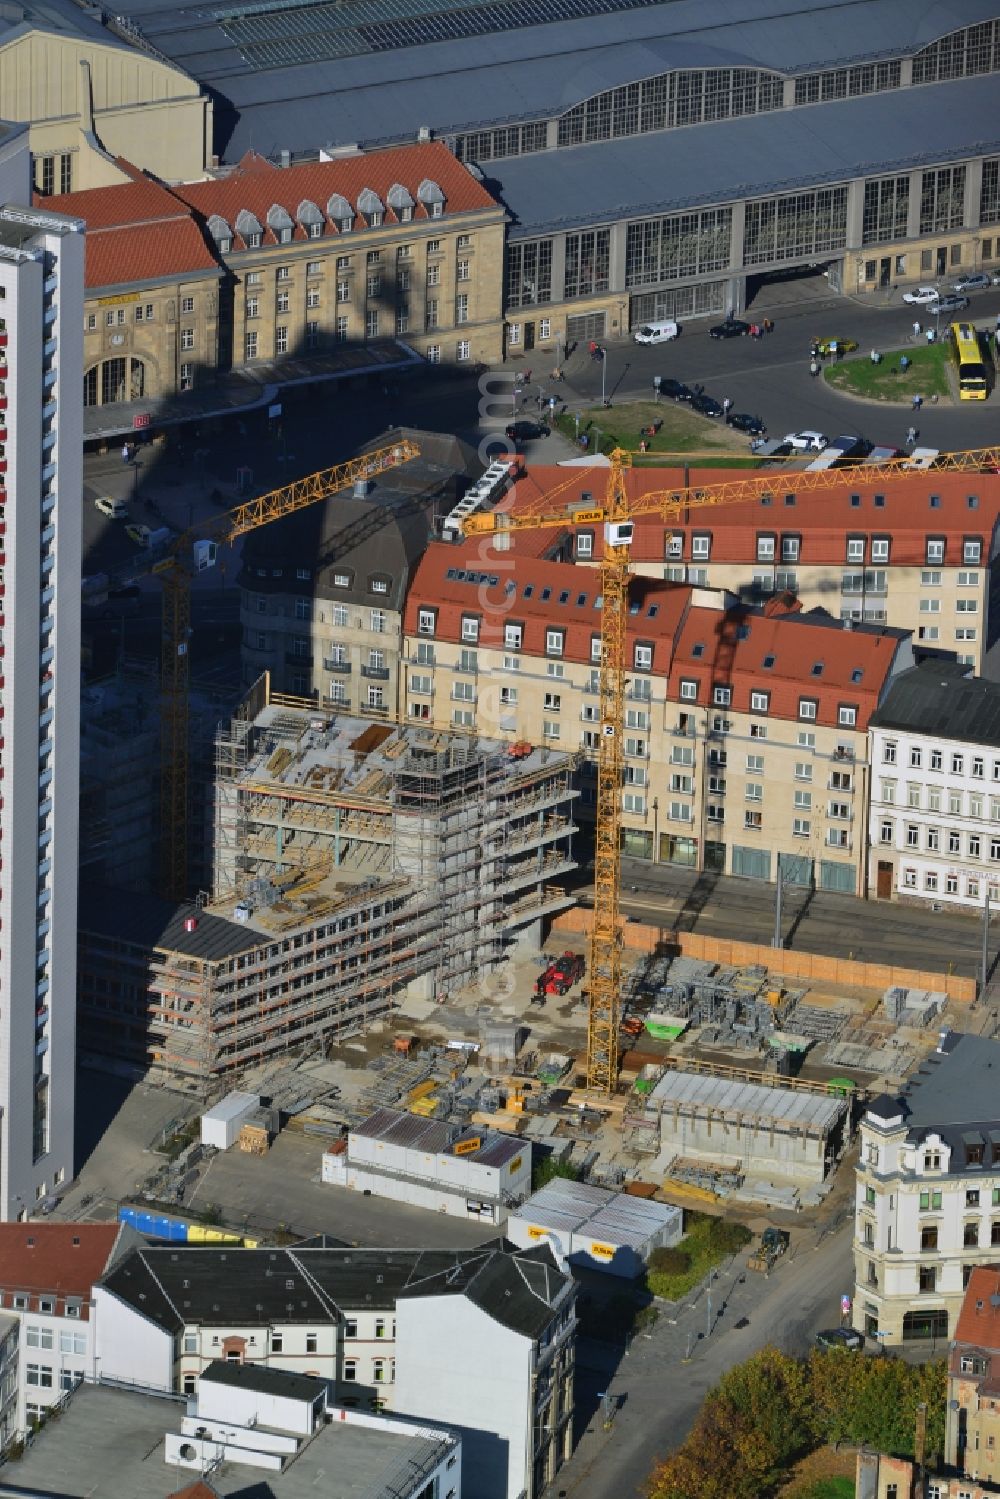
(548, 1168)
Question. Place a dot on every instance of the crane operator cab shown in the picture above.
(619, 533)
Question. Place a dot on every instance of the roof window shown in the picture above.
(767, 663)
(431, 196)
(279, 221)
(372, 207)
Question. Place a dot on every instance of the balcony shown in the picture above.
(342, 668)
(376, 673)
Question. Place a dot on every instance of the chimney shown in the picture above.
(285, 158)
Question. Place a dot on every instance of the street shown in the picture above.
(812, 920)
(658, 1393)
(769, 377)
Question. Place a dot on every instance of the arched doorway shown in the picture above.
(114, 380)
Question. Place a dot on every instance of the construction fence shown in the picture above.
(814, 968)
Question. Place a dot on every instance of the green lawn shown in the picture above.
(698, 438)
(927, 375)
(830, 1488)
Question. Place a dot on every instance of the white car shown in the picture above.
(924, 296)
(807, 442)
(109, 506)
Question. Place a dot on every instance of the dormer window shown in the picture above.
(426, 621)
(221, 233)
(370, 205)
(431, 196)
(249, 229)
(340, 212)
(310, 218)
(399, 200)
(279, 221)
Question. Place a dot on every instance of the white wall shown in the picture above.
(238, 1407)
(458, 1367)
(953, 873)
(128, 1346)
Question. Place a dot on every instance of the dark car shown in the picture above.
(525, 431)
(731, 328)
(706, 405)
(743, 422)
(840, 1337)
(675, 389)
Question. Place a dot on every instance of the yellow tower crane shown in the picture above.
(193, 552)
(617, 515)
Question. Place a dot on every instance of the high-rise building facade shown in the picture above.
(41, 455)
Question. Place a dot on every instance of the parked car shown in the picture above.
(744, 422)
(109, 506)
(977, 281)
(840, 1337)
(827, 346)
(525, 431)
(806, 442)
(731, 328)
(706, 405)
(922, 296)
(951, 303)
(676, 390)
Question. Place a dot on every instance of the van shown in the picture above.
(656, 333)
(112, 508)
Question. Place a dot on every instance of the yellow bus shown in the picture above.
(972, 364)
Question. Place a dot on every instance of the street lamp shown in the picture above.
(656, 829)
(604, 377)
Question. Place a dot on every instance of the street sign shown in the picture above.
(140, 421)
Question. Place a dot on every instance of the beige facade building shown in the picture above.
(322, 592)
(745, 729)
(917, 555)
(88, 96)
(269, 264)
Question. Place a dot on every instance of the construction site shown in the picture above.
(354, 863)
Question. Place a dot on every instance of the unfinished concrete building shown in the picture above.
(355, 862)
(786, 1132)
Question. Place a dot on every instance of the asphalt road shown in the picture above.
(812, 921)
(769, 377)
(659, 1394)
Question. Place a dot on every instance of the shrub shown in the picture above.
(669, 1261)
(728, 1237)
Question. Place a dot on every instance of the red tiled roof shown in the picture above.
(136, 231)
(732, 649)
(527, 591)
(979, 1320)
(696, 643)
(118, 257)
(258, 189)
(64, 1258)
(823, 518)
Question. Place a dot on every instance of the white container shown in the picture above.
(221, 1126)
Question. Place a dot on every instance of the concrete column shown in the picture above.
(736, 297)
(913, 213)
(558, 267)
(855, 213)
(973, 189)
(616, 258)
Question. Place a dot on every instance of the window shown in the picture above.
(643, 659)
(701, 545)
(847, 717)
(187, 376)
(187, 338)
(968, 580)
(765, 548)
(38, 1337)
(554, 642)
(689, 691)
(927, 1279)
(759, 702)
(929, 1237)
(972, 549)
(426, 619)
(463, 351)
(855, 549)
(350, 1369)
(752, 821)
(935, 549)
(462, 271)
(40, 1376)
(802, 800)
(880, 548)
(281, 339)
(250, 344)
(807, 707)
(552, 730)
(722, 696)
(803, 771)
(930, 1202)
(470, 627)
(371, 325)
(312, 1342)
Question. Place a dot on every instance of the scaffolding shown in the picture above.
(353, 862)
